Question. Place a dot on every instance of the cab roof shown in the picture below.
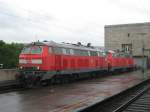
(65, 45)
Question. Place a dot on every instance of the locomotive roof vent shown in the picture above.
(88, 44)
(45, 41)
(65, 43)
(79, 43)
(49, 42)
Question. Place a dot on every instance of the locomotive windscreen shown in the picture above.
(32, 50)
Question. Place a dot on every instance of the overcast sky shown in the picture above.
(67, 20)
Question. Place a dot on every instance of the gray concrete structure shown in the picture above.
(7, 74)
(131, 38)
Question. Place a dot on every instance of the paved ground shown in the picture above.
(69, 97)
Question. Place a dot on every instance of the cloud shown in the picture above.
(66, 20)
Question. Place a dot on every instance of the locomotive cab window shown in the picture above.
(26, 50)
(32, 50)
(36, 50)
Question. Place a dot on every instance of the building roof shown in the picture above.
(128, 25)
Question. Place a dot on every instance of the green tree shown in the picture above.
(9, 54)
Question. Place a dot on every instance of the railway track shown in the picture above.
(139, 103)
(9, 86)
(135, 99)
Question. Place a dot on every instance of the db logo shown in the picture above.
(28, 61)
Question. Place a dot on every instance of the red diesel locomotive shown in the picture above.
(119, 61)
(40, 61)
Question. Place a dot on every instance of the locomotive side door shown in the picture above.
(58, 62)
(58, 57)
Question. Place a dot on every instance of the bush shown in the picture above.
(9, 54)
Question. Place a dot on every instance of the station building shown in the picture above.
(131, 38)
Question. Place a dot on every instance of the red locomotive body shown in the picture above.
(119, 61)
(43, 60)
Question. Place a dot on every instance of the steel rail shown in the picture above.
(119, 101)
(132, 100)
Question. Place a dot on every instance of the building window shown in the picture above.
(127, 48)
(128, 34)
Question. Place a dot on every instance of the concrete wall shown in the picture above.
(137, 35)
(7, 74)
(141, 62)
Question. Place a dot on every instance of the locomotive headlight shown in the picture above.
(38, 67)
(21, 67)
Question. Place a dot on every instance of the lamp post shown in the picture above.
(148, 50)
